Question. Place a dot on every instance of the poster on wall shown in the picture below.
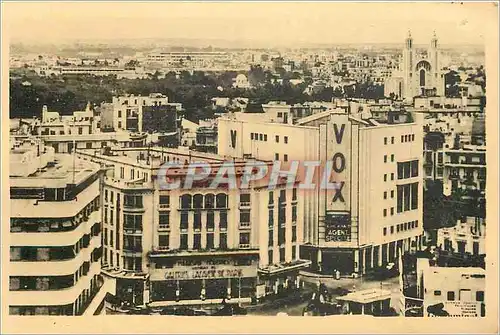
(337, 227)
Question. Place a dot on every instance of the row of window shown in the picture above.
(271, 259)
(401, 227)
(54, 225)
(277, 157)
(210, 220)
(385, 158)
(263, 137)
(386, 140)
(281, 236)
(407, 138)
(34, 283)
(408, 169)
(450, 295)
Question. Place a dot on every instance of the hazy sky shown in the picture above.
(283, 23)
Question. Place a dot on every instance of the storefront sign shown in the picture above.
(337, 227)
(204, 272)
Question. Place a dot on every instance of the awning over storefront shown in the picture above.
(280, 268)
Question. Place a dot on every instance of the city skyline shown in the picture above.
(247, 24)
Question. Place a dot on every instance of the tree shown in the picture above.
(256, 75)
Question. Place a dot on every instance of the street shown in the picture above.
(351, 284)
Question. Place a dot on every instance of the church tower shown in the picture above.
(407, 69)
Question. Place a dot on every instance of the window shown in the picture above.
(163, 241)
(244, 240)
(271, 218)
(244, 219)
(277, 139)
(270, 256)
(223, 220)
(184, 220)
(385, 194)
(385, 140)
(385, 158)
(402, 138)
(385, 177)
(270, 237)
(221, 200)
(414, 168)
(392, 140)
(210, 221)
(385, 212)
(392, 194)
(210, 240)
(480, 296)
(197, 242)
(164, 201)
(120, 113)
(285, 139)
(245, 198)
(285, 157)
(294, 213)
(185, 201)
(414, 196)
(251, 136)
(392, 210)
(392, 229)
(164, 220)
(451, 296)
(294, 194)
(132, 243)
(276, 157)
(265, 137)
(133, 201)
(385, 231)
(271, 197)
(209, 201)
(392, 176)
(132, 222)
(437, 292)
(197, 220)
(280, 114)
(223, 241)
(184, 242)
(294, 233)
(392, 157)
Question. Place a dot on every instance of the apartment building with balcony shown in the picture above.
(55, 231)
(197, 245)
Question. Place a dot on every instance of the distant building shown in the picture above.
(460, 290)
(241, 81)
(419, 73)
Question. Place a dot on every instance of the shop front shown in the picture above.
(202, 279)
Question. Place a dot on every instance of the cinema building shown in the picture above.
(55, 232)
(195, 245)
(376, 212)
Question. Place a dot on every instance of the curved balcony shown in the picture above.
(54, 297)
(55, 267)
